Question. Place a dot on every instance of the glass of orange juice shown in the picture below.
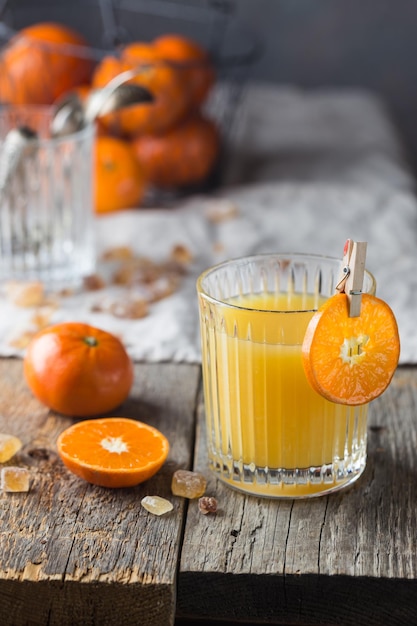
(268, 432)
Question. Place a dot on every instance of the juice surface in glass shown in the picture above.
(269, 433)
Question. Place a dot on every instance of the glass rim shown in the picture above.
(47, 110)
(266, 255)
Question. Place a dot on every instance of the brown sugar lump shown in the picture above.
(14, 479)
(9, 445)
(188, 484)
(156, 505)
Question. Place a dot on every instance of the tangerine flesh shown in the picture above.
(351, 360)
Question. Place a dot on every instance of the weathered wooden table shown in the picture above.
(73, 553)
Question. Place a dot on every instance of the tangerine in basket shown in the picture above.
(351, 360)
(165, 82)
(77, 369)
(42, 62)
(193, 61)
(184, 155)
(113, 451)
(119, 179)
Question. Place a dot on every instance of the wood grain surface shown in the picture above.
(74, 553)
(345, 559)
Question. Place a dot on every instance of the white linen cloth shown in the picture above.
(337, 136)
(306, 171)
(271, 217)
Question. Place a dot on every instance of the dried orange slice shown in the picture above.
(113, 451)
(351, 360)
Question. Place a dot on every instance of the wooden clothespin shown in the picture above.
(353, 269)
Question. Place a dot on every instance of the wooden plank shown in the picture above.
(74, 553)
(346, 559)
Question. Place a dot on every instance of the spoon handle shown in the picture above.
(115, 95)
(18, 143)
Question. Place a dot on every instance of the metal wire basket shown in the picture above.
(109, 24)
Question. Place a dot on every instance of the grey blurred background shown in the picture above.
(370, 44)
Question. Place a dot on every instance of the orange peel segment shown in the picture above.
(113, 451)
(351, 360)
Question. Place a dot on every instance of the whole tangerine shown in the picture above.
(183, 156)
(119, 179)
(165, 82)
(42, 62)
(77, 369)
(193, 60)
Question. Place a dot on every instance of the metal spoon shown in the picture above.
(18, 143)
(72, 114)
(69, 116)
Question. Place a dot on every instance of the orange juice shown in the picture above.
(272, 416)
(269, 433)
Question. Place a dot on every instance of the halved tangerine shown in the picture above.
(113, 451)
(351, 360)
